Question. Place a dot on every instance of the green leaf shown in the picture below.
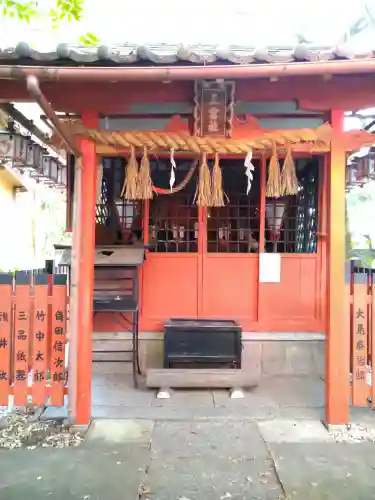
(69, 10)
(89, 40)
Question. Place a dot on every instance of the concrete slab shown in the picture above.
(120, 431)
(55, 413)
(322, 471)
(178, 438)
(109, 368)
(251, 400)
(362, 415)
(301, 413)
(211, 460)
(183, 413)
(186, 399)
(159, 412)
(102, 396)
(294, 431)
(114, 380)
(115, 390)
(89, 473)
(293, 391)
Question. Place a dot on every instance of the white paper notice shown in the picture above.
(269, 268)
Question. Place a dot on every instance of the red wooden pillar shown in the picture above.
(337, 340)
(80, 357)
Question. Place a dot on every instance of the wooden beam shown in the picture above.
(161, 123)
(311, 93)
(338, 338)
(268, 108)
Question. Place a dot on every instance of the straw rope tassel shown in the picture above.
(204, 186)
(289, 180)
(129, 189)
(217, 184)
(273, 189)
(99, 181)
(144, 178)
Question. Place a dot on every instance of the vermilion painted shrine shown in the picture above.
(222, 187)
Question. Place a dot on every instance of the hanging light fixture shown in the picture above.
(13, 147)
(46, 164)
(21, 152)
(53, 169)
(64, 175)
(32, 154)
(275, 210)
(62, 179)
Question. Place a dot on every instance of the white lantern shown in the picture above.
(64, 175)
(53, 169)
(20, 149)
(40, 161)
(13, 148)
(62, 179)
(32, 154)
(59, 174)
(46, 166)
(275, 212)
(6, 146)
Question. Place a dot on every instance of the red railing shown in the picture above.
(362, 340)
(33, 319)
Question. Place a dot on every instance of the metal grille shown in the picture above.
(123, 217)
(235, 227)
(291, 222)
(173, 223)
(102, 214)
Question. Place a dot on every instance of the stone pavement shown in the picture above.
(194, 460)
(113, 396)
(200, 446)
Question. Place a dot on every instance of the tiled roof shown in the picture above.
(164, 54)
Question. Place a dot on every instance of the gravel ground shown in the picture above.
(23, 429)
(354, 433)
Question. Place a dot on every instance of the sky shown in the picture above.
(217, 22)
(208, 22)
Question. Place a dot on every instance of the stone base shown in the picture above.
(333, 428)
(80, 429)
(164, 393)
(236, 393)
(263, 354)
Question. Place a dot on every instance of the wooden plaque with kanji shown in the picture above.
(213, 110)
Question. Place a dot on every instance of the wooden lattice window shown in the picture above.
(234, 228)
(173, 222)
(117, 218)
(292, 221)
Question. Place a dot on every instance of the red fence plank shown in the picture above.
(21, 338)
(372, 338)
(59, 312)
(39, 347)
(6, 285)
(33, 322)
(359, 347)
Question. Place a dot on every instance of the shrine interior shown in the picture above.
(290, 222)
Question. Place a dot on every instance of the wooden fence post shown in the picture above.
(6, 323)
(22, 336)
(40, 315)
(359, 329)
(58, 312)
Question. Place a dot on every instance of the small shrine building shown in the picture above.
(229, 167)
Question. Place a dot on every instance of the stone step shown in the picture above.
(199, 378)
